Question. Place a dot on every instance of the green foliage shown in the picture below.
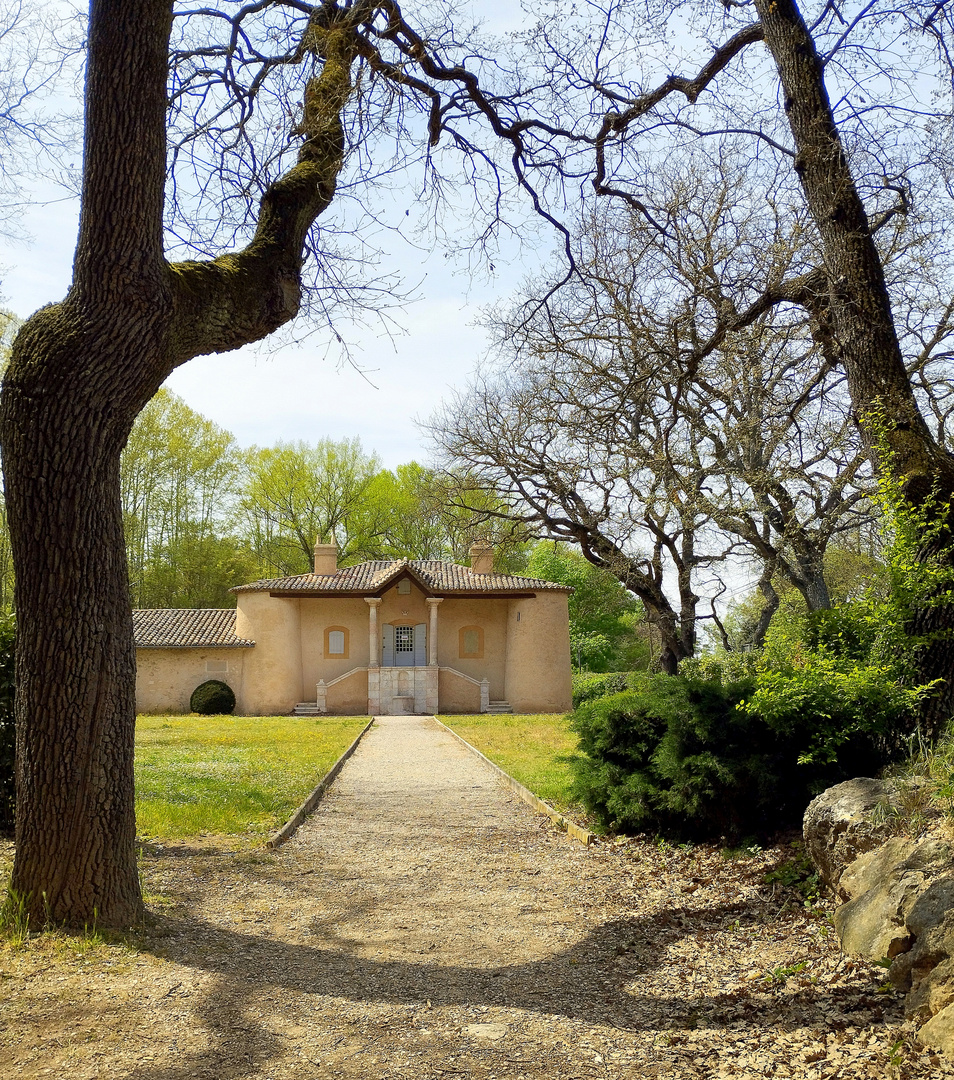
(212, 698)
(851, 575)
(588, 685)
(838, 675)
(605, 623)
(434, 514)
(7, 724)
(739, 743)
(724, 667)
(179, 488)
(798, 873)
(296, 492)
(675, 757)
(709, 755)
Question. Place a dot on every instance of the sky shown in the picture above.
(302, 391)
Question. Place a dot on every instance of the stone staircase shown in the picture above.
(499, 707)
(307, 708)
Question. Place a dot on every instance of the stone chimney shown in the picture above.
(481, 558)
(326, 558)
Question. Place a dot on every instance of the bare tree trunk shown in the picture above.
(80, 372)
(76, 665)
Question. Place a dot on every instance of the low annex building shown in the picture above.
(380, 638)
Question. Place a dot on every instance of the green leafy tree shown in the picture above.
(179, 476)
(606, 633)
(431, 517)
(296, 492)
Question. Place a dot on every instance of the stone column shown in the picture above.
(432, 602)
(373, 602)
(374, 664)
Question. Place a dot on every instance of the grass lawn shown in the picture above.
(532, 749)
(232, 775)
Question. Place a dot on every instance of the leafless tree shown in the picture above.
(615, 427)
(845, 112)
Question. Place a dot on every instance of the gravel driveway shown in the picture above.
(425, 923)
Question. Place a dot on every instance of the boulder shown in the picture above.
(841, 824)
(932, 970)
(882, 888)
(939, 1031)
(897, 893)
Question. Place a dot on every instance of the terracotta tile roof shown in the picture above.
(434, 575)
(187, 628)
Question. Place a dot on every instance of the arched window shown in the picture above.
(471, 641)
(336, 642)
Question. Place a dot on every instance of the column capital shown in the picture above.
(435, 600)
(374, 601)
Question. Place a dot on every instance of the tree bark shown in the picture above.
(80, 372)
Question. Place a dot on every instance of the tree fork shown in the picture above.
(79, 374)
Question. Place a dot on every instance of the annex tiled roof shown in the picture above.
(370, 578)
(187, 627)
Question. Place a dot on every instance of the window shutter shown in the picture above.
(420, 645)
(387, 650)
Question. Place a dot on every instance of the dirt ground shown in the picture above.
(438, 928)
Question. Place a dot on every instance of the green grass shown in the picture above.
(231, 775)
(533, 749)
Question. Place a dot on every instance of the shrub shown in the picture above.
(840, 676)
(676, 757)
(588, 685)
(212, 698)
(7, 725)
(694, 757)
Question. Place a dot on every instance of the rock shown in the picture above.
(840, 825)
(932, 970)
(883, 887)
(933, 993)
(939, 1031)
(486, 1031)
(931, 906)
(898, 894)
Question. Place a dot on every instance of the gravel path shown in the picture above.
(425, 923)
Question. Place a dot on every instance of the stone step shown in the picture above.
(306, 708)
(499, 707)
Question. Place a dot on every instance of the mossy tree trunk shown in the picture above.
(81, 370)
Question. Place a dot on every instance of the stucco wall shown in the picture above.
(538, 655)
(272, 675)
(526, 650)
(457, 695)
(403, 609)
(351, 613)
(348, 697)
(165, 678)
(491, 616)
